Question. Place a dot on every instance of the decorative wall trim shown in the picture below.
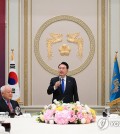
(25, 52)
(109, 43)
(19, 40)
(61, 18)
(31, 55)
(97, 50)
(103, 53)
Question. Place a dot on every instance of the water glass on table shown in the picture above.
(7, 126)
(17, 111)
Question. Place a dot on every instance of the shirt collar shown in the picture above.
(5, 100)
(63, 78)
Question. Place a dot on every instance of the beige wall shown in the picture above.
(40, 14)
(35, 73)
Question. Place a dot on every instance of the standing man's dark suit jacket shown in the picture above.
(70, 94)
(4, 107)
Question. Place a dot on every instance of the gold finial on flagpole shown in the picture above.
(12, 55)
(116, 52)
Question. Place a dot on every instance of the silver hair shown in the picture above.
(2, 89)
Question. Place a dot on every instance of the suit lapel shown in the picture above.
(5, 105)
(13, 106)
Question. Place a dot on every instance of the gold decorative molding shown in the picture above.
(19, 40)
(31, 56)
(97, 51)
(109, 41)
(25, 52)
(103, 53)
(62, 18)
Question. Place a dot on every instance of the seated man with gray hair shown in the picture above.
(6, 102)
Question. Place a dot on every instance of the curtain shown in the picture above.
(2, 42)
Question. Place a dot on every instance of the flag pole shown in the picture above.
(13, 78)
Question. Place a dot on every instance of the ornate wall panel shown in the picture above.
(50, 22)
(55, 32)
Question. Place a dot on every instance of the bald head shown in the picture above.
(6, 92)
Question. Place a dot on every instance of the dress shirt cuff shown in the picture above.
(54, 88)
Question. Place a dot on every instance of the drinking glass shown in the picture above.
(107, 110)
(17, 110)
(7, 126)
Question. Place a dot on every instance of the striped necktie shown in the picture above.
(10, 106)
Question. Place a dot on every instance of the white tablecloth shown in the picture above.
(27, 125)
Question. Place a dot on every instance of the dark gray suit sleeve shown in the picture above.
(14, 104)
(76, 98)
(50, 89)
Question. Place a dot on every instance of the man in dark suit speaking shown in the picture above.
(6, 104)
(63, 87)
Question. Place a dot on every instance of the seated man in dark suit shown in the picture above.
(63, 87)
(6, 102)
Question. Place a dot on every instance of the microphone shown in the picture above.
(63, 98)
(60, 80)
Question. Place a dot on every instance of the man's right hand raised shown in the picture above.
(57, 84)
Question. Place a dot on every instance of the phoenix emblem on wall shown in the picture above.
(65, 49)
